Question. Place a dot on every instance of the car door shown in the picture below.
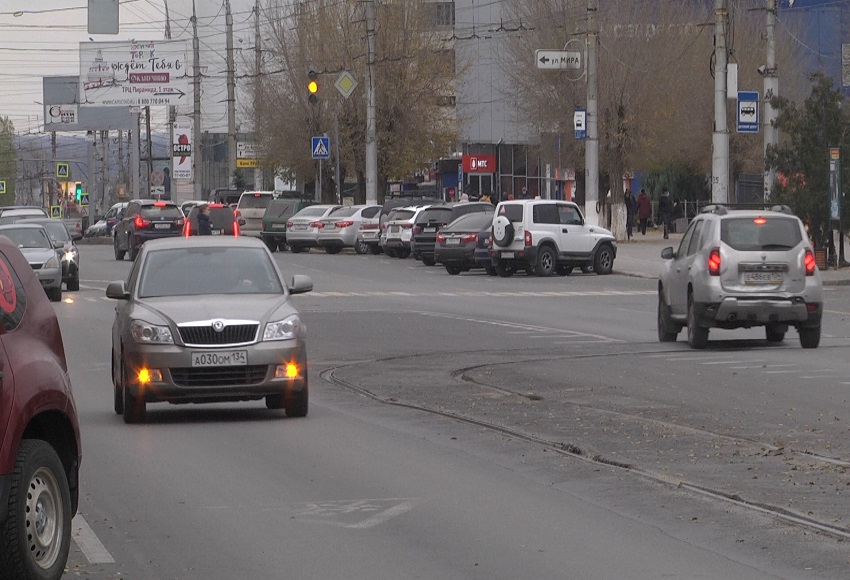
(575, 240)
(680, 271)
(122, 234)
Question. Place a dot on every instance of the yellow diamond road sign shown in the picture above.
(345, 84)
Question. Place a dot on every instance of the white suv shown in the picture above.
(547, 237)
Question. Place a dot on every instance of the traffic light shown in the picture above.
(78, 190)
(312, 87)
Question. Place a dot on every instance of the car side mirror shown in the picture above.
(57, 244)
(300, 284)
(668, 254)
(117, 290)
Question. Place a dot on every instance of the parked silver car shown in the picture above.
(302, 229)
(399, 231)
(339, 230)
(40, 251)
(206, 319)
(739, 269)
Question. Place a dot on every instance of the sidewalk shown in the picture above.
(641, 257)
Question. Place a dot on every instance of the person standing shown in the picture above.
(665, 211)
(631, 208)
(204, 228)
(644, 210)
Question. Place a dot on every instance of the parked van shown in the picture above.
(251, 207)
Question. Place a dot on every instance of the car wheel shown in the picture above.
(295, 249)
(667, 329)
(390, 252)
(133, 408)
(361, 247)
(505, 270)
(296, 403)
(809, 337)
(546, 261)
(36, 535)
(564, 270)
(697, 335)
(603, 261)
(403, 253)
(453, 269)
(429, 261)
(73, 284)
(503, 231)
(333, 249)
(55, 294)
(491, 271)
(132, 252)
(119, 254)
(775, 332)
(281, 246)
(375, 249)
(271, 245)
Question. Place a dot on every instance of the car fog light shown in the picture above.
(150, 376)
(287, 371)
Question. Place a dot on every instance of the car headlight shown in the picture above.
(147, 333)
(289, 327)
(52, 263)
(70, 255)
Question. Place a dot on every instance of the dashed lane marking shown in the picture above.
(88, 543)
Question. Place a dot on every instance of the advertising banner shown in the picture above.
(181, 156)
(133, 73)
(479, 163)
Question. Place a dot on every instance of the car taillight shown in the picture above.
(441, 238)
(159, 204)
(319, 225)
(141, 222)
(809, 262)
(344, 224)
(714, 262)
(490, 240)
(187, 229)
(370, 227)
(469, 238)
(288, 224)
(528, 240)
(236, 228)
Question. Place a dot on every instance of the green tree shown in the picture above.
(8, 160)
(802, 157)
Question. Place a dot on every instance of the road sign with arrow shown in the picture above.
(558, 59)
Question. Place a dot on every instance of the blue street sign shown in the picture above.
(321, 147)
(748, 112)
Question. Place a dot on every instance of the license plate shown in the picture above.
(452, 241)
(507, 255)
(329, 227)
(215, 232)
(394, 229)
(755, 278)
(368, 235)
(299, 227)
(229, 358)
(429, 230)
(162, 226)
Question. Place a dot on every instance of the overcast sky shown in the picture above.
(41, 38)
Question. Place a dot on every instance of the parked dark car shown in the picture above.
(143, 220)
(465, 244)
(68, 254)
(223, 221)
(430, 221)
(274, 220)
(40, 448)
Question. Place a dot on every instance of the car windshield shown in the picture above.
(255, 200)
(760, 234)
(471, 222)
(161, 211)
(198, 271)
(344, 211)
(56, 230)
(28, 237)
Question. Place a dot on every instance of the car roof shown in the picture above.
(202, 242)
(18, 225)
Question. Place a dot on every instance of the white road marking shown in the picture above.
(477, 294)
(94, 551)
(347, 513)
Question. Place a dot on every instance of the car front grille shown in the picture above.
(206, 335)
(218, 376)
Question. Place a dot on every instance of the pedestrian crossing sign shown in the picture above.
(321, 147)
(56, 211)
(63, 170)
(2, 186)
(84, 199)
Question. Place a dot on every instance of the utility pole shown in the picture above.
(171, 116)
(197, 159)
(150, 150)
(371, 139)
(231, 98)
(591, 151)
(104, 153)
(771, 89)
(258, 62)
(53, 158)
(720, 139)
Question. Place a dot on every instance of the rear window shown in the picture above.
(161, 211)
(315, 211)
(281, 208)
(255, 200)
(345, 211)
(471, 222)
(756, 234)
(512, 211)
(403, 214)
(435, 214)
(221, 217)
(465, 208)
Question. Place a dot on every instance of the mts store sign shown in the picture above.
(479, 163)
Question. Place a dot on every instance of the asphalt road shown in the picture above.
(475, 427)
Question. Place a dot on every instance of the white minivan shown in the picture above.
(251, 207)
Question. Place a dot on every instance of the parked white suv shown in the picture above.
(547, 237)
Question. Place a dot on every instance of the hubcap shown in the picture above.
(43, 512)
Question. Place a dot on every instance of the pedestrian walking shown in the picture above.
(631, 208)
(644, 211)
(665, 211)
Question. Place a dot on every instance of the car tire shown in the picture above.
(333, 249)
(133, 408)
(375, 249)
(132, 252)
(491, 271)
(505, 270)
(403, 253)
(73, 284)
(119, 254)
(361, 247)
(697, 335)
(429, 261)
(667, 329)
(271, 245)
(295, 249)
(36, 534)
(603, 261)
(809, 337)
(564, 270)
(390, 252)
(296, 403)
(775, 332)
(281, 246)
(503, 231)
(55, 294)
(453, 269)
(547, 261)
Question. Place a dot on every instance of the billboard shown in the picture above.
(62, 111)
(181, 156)
(133, 73)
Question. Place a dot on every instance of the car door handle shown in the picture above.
(564, 231)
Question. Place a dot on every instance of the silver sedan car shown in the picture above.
(339, 230)
(207, 319)
(302, 229)
(40, 251)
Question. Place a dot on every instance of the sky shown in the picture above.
(41, 38)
